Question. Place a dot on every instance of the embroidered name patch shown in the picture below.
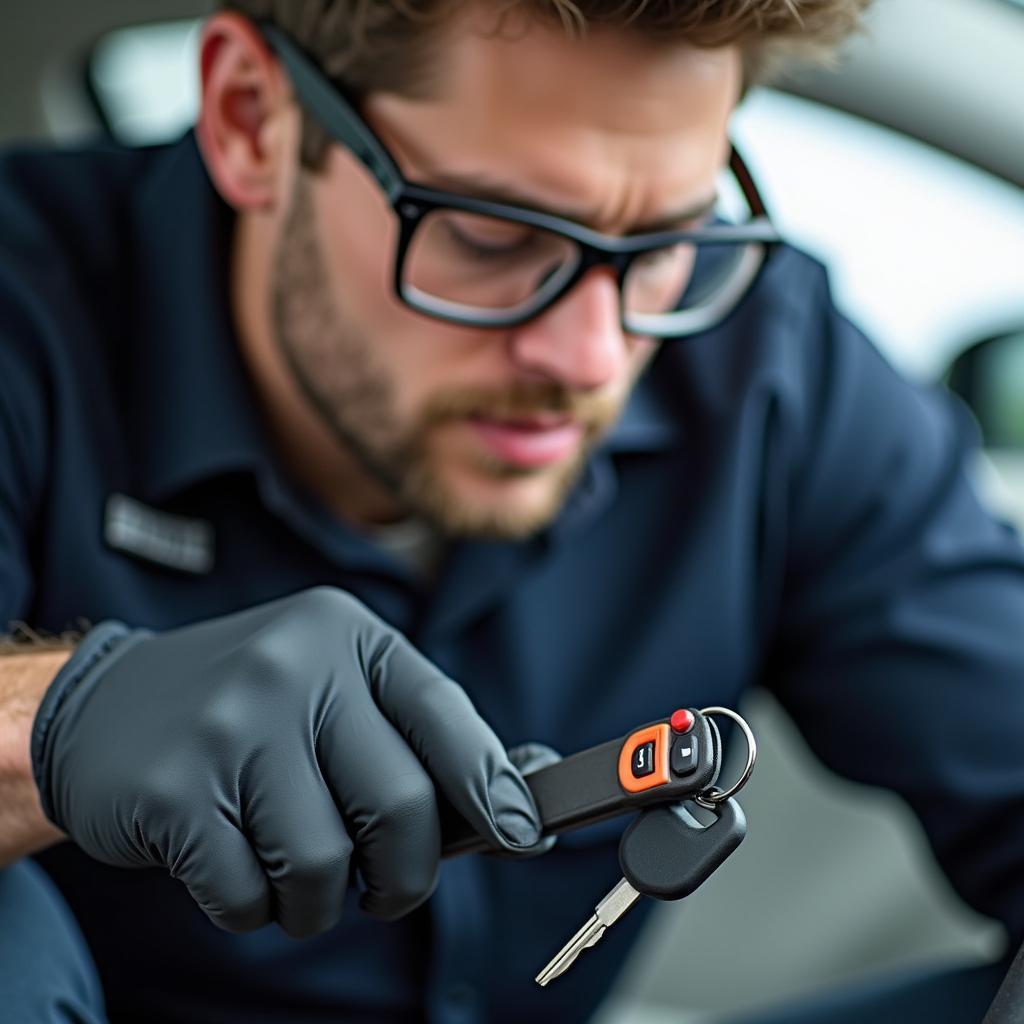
(155, 536)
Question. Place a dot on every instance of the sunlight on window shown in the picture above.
(146, 81)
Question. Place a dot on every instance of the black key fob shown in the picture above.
(669, 760)
(667, 853)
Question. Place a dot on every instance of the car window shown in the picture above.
(143, 80)
(924, 249)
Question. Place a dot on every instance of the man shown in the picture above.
(434, 311)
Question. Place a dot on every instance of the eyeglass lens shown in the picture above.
(470, 263)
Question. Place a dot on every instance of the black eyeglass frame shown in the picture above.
(412, 201)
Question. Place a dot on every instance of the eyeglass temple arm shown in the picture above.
(742, 174)
(330, 108)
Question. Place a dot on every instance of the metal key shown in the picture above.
(606, 913)
(666, 853)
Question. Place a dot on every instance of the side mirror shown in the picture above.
(989, 377)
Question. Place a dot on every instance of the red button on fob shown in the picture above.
(681, 720)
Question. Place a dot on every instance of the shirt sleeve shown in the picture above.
(900, 647)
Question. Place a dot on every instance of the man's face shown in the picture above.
(483, 431)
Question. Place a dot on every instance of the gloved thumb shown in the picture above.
(527, 758)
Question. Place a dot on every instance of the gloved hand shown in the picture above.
(260, 756)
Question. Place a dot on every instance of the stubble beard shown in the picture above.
(332, 364)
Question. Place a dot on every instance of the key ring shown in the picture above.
(712, 797)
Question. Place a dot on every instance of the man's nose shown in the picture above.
(578, 342)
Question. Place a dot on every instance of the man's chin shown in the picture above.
(493, 502)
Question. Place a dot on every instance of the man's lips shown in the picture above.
(531, 441)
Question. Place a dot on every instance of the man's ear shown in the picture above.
(245, 98)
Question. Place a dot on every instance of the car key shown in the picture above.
(665, 853)
(673, 759)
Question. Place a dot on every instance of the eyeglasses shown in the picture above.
(471, 261)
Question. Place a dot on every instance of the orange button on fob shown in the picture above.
(643, 760)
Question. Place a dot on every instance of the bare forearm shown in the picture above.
(24, 678)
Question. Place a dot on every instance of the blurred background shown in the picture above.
(903, 169)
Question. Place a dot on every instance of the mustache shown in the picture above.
(522, 400)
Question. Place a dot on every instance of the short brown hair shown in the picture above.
(370, 45)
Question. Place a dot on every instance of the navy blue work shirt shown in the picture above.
(777, 506)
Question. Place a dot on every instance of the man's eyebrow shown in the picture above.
(480, 187)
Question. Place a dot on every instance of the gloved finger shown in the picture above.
(460, 751)
(530, 757)
(388, 801)
(224, 877)
(300, 839)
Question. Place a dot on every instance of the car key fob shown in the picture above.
(667, 852)
(673, 759)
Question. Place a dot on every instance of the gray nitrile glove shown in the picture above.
(257, 754)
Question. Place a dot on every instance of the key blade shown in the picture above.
(607, 912)
(587, 936)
